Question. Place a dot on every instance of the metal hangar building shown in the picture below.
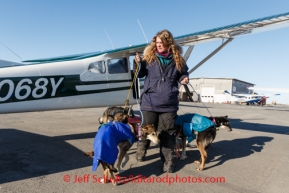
(212, 89)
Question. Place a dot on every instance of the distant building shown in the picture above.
(212, 89)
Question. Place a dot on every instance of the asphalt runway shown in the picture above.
(43, 152)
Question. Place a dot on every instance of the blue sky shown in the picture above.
(36, 29)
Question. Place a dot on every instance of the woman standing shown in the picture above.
(164, 67)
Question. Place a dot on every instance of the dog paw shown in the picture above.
(103, 180)
(200, 169)
(197, 162)
(91, 153)
(114, 182)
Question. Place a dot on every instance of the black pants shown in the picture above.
(165, 126)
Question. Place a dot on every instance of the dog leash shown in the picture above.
(139, 133)
(138, 67)
(132, 84)
(190, 97)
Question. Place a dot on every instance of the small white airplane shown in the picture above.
(249, 99)
(103, 78)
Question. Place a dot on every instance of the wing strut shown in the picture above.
(188, 52)
(210, 55)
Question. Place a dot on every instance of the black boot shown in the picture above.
(141, 151)
(166, 153)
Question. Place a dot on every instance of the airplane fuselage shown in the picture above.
(92, 82)
(251, 99)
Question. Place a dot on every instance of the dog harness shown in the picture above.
(118, 111)
(192, 124)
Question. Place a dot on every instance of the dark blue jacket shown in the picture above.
(161, 91)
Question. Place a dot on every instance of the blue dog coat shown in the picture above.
(106, 141)
(191, 122)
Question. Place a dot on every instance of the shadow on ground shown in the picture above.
(26, 155)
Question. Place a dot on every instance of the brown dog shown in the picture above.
(203, 139)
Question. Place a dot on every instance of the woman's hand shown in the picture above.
(185, 80)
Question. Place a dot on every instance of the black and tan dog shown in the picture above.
(203, 138)
(110, 113)
(146, 131)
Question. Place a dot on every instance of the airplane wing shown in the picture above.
(124, 50)
(234, 30)
(270, 89)
(89, 79)
(224, 32)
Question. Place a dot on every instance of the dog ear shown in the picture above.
(144, 128)
(226, 116)
(153, 126)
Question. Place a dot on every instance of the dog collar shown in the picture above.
(214, 121)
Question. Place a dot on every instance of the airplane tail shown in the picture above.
(227, 92)
(228, 95)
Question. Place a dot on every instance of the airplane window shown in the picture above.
(116, 66)
(97, 67)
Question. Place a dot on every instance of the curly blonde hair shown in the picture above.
(168, 41)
